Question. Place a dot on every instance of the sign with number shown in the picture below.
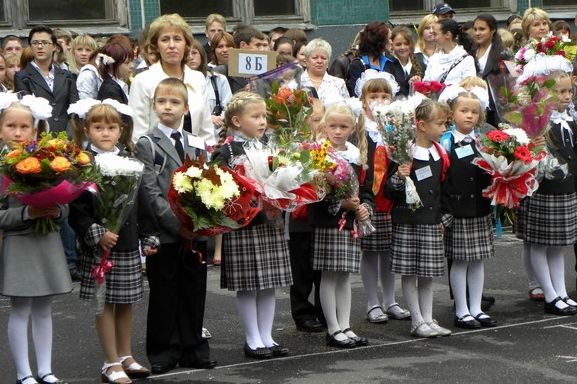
(247, 63)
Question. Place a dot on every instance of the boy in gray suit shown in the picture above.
(177, 279)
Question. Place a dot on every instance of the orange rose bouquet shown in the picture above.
(51, 170)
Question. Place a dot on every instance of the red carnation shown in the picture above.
(422, 87)
(497, 136)
(436, 87)
(562, 53)
(523, 153)
(539, 47)
(549, 44)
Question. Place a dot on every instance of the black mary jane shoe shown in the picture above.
(198, 364)
(333, 342)
(359, 341)
(24, 379)
(566, 299)
(42, 381)
(161, 367)
(279, 350)
(554, 310)
(473, 323)
(486, 321)
(258, 353)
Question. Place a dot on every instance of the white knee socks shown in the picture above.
(548, 264)
(265, 304)
(335, 295)
(256, 311)
(469, 274)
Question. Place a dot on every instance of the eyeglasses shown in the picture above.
(40, 43)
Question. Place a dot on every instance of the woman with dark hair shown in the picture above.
(453, 62)
(373, 55)
(220, 43)
(488, 53)
(115, 72)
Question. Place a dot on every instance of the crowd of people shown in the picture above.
(180, 101)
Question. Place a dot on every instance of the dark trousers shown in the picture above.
(177, 281)
(303, 279)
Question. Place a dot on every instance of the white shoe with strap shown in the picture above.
(111, 376)
(134, 370)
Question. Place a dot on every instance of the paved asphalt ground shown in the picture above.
(528, 346)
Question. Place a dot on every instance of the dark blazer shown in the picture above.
(30, 82)
(110, 89)
(560, 146)
(207, 49)
(158, 170)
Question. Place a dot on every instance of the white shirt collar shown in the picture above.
(168, 131)
(351, 154)
(99, 151)
(460, 136)
(422, 154)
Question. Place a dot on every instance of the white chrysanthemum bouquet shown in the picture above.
(209, 199)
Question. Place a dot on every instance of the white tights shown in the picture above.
(418, 293)
(335, 296)
(549, 266)
(256, 311)
(373, 266)
(40, 310)
(469, 274)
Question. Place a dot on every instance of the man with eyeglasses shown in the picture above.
(42, 79)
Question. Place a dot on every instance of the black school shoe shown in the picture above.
(258, 353)
(460, 322)
(279, 350)
(332, 342)
(486, 321)
(310, 325)
(552, 308)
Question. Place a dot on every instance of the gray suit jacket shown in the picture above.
(160, 162)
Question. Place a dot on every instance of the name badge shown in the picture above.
(465, 151)
(423, 173)
(196, 142)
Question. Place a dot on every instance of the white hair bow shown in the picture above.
(369, 74)
(7, 98)
(81, 107)
(452, 92)
(103, 59)
(40, 107)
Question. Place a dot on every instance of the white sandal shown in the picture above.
(115, 377)
(134, 370)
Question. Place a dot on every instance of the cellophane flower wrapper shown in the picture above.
(512, 163)
(398, 129)
(285, 177)
(46, 172)
(117, 192)
(210, 199)
(526, 104)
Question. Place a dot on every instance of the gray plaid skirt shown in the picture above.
(335, 250)
(123, 282)
(255, 258)
(551, 219)
(380, 240)
(417, 250)
(470, 239)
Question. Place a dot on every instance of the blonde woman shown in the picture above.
(426, 38)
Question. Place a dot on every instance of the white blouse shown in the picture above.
(440, 63)
(332, 89)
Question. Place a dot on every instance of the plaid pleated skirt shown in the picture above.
(551, 219)
(417, 250)
(470, 239)
(123, 282)
(255, 258)
(335, 250)
(380, 240)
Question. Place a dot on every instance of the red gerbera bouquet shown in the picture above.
(512, 163)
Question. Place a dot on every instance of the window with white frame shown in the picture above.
(21, 14)
(245, 11)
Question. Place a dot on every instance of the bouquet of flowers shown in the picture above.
(512, 163)
(285, 176)
(526, 104)
(340, 182)
(210, 199)
(398, 129)
(46, 172)
(549, 45)
(287, 112)
(117, 190)
(431, 89)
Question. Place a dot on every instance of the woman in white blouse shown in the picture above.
(330, 89)
(170, 39)
(452, 63)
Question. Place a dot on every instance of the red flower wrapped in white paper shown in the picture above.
(512, 163)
